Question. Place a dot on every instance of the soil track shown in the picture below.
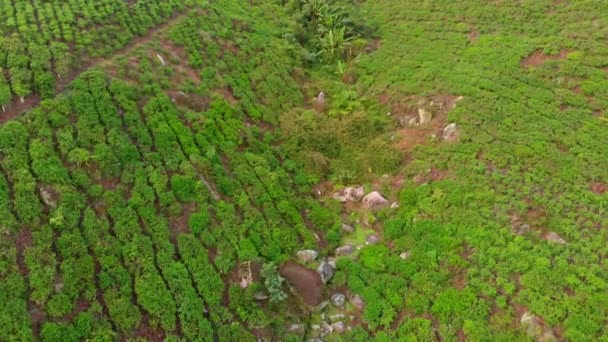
(16, 108)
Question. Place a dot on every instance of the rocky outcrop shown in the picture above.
(326, 271)
(350, 194)
(338, 300)
(450, 132)
(307, 255)
(372, 239)
(345, 250)
(554, 237)
(374, 200)
(357, 301)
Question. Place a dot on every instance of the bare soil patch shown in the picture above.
(16, 107)
(306, 282)
(180, 224)
(538, 58)
(598, 188)
(473, 35)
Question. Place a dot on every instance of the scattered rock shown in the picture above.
(161, 59)
(336, 317)
(338, 327)
(345, 250)
(326, 271)
(332, 262)
(372, 239)
(297, 328)
(553, 237)
(321, 97)
(407, 120)
(405, 255)
(374, 200)
(307, 255)
(530, 324)
(350, 194)
(424, 116)
(48, 197)
(357, 302)
(450, 132)
(245, 274)
(321, 306)
(338, 300)
(58, 287)
(394, 205)
(260, 296)
(520, 228)
(347, 229)
(326, 329)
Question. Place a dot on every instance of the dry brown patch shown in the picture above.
(180, 224)
(538, 58)
(147, 332)
(413, 135)
(432, 175)
(473, 35)
(598, 188)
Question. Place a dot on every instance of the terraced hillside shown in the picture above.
(303, 170)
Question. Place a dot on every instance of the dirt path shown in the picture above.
(17, 107)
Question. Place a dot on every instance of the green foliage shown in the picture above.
(273, 282)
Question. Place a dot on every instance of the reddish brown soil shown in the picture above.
(412, 136)
(149, 333)
(473, 35)
(538, 58)
(598, 188)
(460, 281)
(180, 224)
(109, 184)
(81, 306)
(306, 282)
(16, 107)
(433, 175)
(226, 92)
(461, 336)
(23, 239)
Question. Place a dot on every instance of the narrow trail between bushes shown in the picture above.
(16, 107)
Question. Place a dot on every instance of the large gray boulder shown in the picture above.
(347, 228)
(424, 116)
(372, 239)
(357, 301)
(338, 300)
(450, 132)
(307, 255)
(374, 201)
(326, 271)
(297, 328)
(350, 194)
(47, 197)
(345, 250)
(520, 228)
(530, 324)
(553, 237)
(338, 327)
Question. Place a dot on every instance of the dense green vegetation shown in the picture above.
(43, 42)
(158, 196)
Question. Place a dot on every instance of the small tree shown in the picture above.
(5, 93)
(273, 282)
